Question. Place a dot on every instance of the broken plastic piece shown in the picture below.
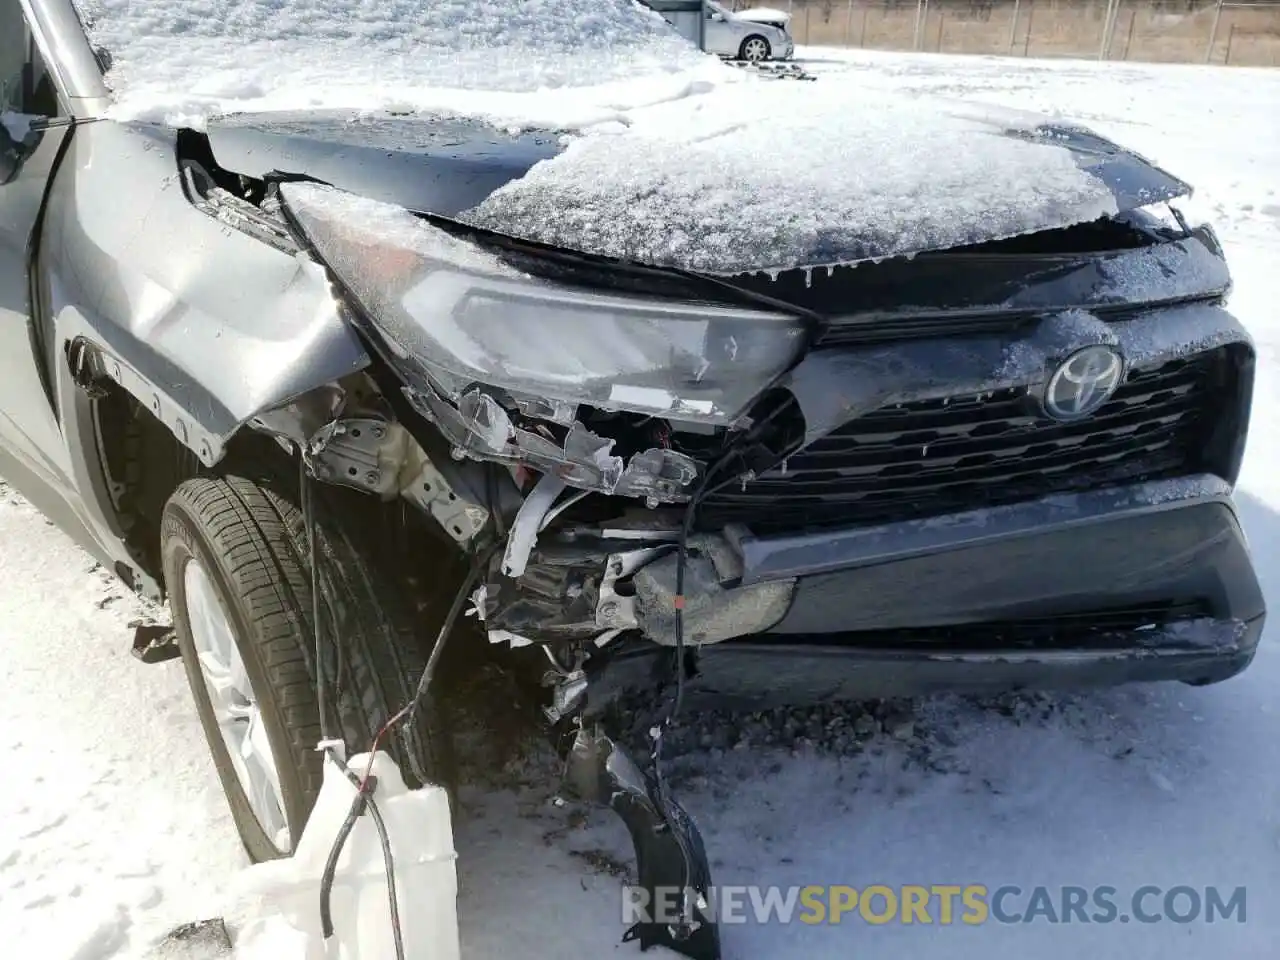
(563, 412)
(488, 423)
(670, 855)
(420, 833)
(583, 447)
(584, 460)
(155, 643)
(657, 473)
(524, 532)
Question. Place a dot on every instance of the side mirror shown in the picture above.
(20, 134)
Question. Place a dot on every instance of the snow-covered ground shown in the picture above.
(112, 828)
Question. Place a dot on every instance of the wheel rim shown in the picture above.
(754, 50)
(235, 706)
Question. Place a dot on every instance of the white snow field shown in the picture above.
(113, 830)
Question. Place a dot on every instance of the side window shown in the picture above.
(25, 85)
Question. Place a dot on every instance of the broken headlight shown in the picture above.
(465, 317)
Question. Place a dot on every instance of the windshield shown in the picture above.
(202, 56)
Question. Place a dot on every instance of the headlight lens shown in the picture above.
(466, 317)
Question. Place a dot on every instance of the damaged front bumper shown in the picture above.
(807, 510)
(1151, 581)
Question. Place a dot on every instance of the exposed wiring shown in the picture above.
(424, 682)
(704, 489)
(308, 519)
(363, 799)
(494, 497)
(358, 804)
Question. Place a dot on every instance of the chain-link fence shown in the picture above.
(1243, 32)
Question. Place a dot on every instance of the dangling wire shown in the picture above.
(363, 800)
(705, 488)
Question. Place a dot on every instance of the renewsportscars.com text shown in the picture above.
(943, 904)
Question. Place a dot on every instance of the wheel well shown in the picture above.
(143, 463)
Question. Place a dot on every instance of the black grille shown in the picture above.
(1091, 629)
(933, 457)
(867, 330)
(861, 330)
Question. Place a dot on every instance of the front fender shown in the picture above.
(206, 326)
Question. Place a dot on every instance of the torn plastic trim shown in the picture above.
(480, 428)
(524, 532)
(670, 853)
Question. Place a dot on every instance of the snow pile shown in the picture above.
(184, 60)
(770, 176)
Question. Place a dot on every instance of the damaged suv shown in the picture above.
(672, 377)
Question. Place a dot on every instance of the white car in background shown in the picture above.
(751, 35)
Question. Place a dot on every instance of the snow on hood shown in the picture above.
(676, 160)
(772, 176)
(764, 15)
(182, 61)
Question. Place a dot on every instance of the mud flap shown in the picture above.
(671, 860)
(155, 643)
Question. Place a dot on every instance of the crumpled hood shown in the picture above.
(749, 176)
(771, 176)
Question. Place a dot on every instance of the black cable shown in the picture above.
(308, 518)
(493, 494)
(464, 591)
(331, 864)
(389, 865)
(363, 800)
(364, 788)
(700, 493)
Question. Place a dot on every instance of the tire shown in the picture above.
(755, 49)
(243, 542)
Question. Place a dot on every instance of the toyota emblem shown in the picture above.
(1083, 382)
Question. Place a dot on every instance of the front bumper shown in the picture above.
(1147, 582)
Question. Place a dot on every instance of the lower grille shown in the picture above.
(1095, 629)
(933, 457)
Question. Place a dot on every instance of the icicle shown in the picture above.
(924, 451)
(808, 277)
(830, 269)
(773, 275)
(783, 467)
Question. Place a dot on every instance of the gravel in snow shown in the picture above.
(116, 830)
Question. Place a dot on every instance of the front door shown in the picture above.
(28, 424)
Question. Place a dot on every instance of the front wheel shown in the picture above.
(237, 571)
(754, 49)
